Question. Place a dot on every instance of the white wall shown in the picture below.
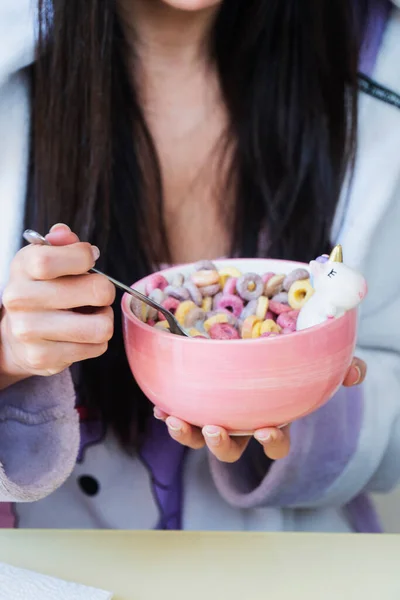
(388, 506)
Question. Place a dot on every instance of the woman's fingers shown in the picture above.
(276, 442)
(184, 433)
(45, 263)
(68, 293)
(49, 358)
(225, 448)
(61, 235)
(65, 326)
(356, 373)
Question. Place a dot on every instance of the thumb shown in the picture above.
(61, 235)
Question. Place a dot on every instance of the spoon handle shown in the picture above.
(130, 291)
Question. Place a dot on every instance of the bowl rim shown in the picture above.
(326, 325)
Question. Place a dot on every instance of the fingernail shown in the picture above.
(174, 425)
(263, 436)
(158, 414)
(95, 252)
(60, 226)
(354, 375)
(213, 435)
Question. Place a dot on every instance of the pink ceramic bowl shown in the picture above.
(241, 385)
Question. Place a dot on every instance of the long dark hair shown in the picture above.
(288, 73)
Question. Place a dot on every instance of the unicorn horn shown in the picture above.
(337, 254)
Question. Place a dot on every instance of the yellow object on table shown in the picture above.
(224, 566)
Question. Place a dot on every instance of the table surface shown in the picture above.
(200, 566)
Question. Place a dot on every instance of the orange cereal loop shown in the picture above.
(226, 273)
(248, 326)
(269, 326)
(220, 318)
(274, 285)
(206, 305)
(205, 278)
(299, 293)
(262, 307)
(183, 309)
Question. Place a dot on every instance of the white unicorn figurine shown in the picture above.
(337, 289)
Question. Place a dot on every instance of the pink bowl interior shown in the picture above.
(241, 385)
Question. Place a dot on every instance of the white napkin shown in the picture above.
(18, 584)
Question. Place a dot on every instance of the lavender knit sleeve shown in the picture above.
(39, 437)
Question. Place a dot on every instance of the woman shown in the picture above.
(169, 131)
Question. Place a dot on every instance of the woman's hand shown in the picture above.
(42, 329)
(276, 442)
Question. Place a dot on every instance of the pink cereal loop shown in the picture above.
(230, 285)
(286, 322)
(170, 304)
(155, 282)
(223, 331)
(231, 303)
(278, 308)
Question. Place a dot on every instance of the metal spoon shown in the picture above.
(32, 237)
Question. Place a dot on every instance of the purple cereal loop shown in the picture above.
(231, 303)
(195, 316)
(194, 292)
(295, 275)
(180, 293)
(205, 265)
(243, 283)
(210, 290)
(323, 258)
(177, 280)
(282, 297)
(230, 285)
(249, 310)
